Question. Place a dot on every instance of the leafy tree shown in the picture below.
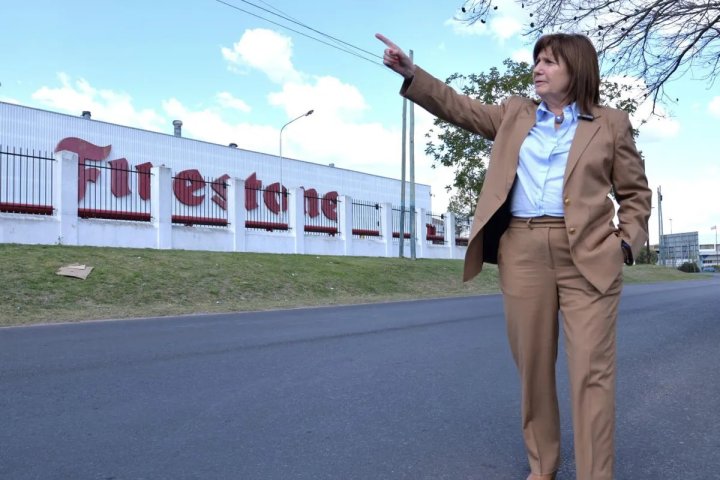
(647, 257)
(656, 40)
(467, 153)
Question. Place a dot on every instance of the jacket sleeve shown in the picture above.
(444, 102)
(631, 187)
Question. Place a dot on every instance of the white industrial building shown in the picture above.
(77, 181)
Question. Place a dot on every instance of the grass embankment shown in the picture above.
(145, 282)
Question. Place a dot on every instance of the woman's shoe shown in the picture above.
(549, 476)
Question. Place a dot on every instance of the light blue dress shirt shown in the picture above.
(543, 157)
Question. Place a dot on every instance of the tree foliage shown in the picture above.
(468, 153)
(647, 257)
(656, 40)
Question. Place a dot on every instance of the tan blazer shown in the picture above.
(602, 155)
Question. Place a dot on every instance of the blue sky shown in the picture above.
(231, 77)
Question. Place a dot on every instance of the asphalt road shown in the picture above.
(411, 390)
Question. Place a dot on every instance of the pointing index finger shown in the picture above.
(386, 41)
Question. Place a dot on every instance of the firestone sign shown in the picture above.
(189, 186)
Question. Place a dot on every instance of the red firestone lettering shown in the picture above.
(119, 177)
(329, 205)
(85, 151)
(185, 184)
(86, 175)
(312, 202)
(219, 186)
(252, 186)
(144, 179)
(271, 198)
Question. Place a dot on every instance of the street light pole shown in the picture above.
(309, 112)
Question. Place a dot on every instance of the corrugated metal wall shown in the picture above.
(24, 127)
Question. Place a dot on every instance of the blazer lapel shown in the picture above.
(586, 130)
(525, 121)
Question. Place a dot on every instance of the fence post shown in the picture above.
(161, 206)
(236, 213)
(450, 233)
(386, 227)
(421, 232)
(345, 223)
(65, 196)
(296, 220)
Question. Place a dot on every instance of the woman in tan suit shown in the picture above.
(545, 217)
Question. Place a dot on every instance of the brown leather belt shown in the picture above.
(545, 221)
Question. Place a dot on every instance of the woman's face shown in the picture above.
(551, 78)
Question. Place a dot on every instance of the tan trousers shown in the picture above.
(538, 279)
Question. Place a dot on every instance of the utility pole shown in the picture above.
(413, 220)
(401, 252)
(660, 227)
(647, 245)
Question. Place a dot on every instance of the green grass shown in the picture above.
(145, 282)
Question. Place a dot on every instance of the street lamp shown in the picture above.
(309, 112)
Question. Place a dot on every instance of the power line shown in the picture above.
(274, 8)
(304, 34)
(296, 22)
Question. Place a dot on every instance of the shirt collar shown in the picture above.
(570, 111)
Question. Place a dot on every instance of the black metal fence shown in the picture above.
(366, 219)
(266, 208)
(199, 201)
(26, 181)
(321, 214)
(113, 191)
(407, 222)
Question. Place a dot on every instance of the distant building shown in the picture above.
(709, 255)
(679, 248)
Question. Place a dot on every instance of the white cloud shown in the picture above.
(653, 127)
(502, 25)
(210, 126)
(465, 29)
(522, 55)
(505, 27)
(10, 100)
(327, 95)
(714, 107)
(266, 51)
(228, 100)
(75, 97)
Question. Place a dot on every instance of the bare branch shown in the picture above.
(656, 40)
